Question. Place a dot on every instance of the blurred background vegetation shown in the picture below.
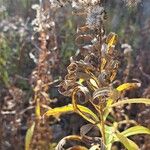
(132, 24)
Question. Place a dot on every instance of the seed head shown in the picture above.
(132, 3)
(95, 16)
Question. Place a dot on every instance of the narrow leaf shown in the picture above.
(81, 80)
(130, 145)
(136, 130)
(29, 136)
(37, 109)
(112, 39)
(69, 108)
(109, 134)
(128, 86)
(131, 101)
(123, 102)
(78, 148)
(86, 113)
(62, 142)
(93, 82)
(107, 111)
(59, 110)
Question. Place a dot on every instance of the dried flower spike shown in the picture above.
(95, 16)
(132, 3)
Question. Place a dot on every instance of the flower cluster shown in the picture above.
(78, 4)
(95, 16)
(42, 21)
(2, 9)
(132, 3)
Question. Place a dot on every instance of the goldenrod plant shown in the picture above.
(90, 82)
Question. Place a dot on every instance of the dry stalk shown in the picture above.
(41, 77)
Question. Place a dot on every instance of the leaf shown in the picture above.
(69, 108)
(129, 144)
(37, 109)
(93, 82)
(109, 146)
(91, 117)
(95, 147)
(122, 137)
(100, 93)
(128, 86)
(135, 130)
(103, 63)
(108, 110)
(29, 136)
(86, 113)
(109, 134)
(111, 39)
(62, 142)
(81, 81)
(59, 110)
(109, 106)
(131, 101)
(78, 148)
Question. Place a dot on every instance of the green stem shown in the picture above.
(101, 126)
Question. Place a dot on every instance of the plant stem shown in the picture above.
(103, 128)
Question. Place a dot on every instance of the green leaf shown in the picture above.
(29, 136)
(109, 146)
(129, 144)
(136, 130)
(109, 134)
(131, 101)
(70, 108)
(108, 110)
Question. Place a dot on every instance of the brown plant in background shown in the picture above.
(41, 76)
(132, 3)
(12, 96)
(89, 68)
(11, 118)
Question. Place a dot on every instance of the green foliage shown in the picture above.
(111, 132)
(135, 130)
(130, 145)
(5, 54)
(68, 45)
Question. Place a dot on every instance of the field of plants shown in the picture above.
(74, 75)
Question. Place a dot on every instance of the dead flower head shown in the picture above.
(42, 20)
(132, 3)
(95, 16)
